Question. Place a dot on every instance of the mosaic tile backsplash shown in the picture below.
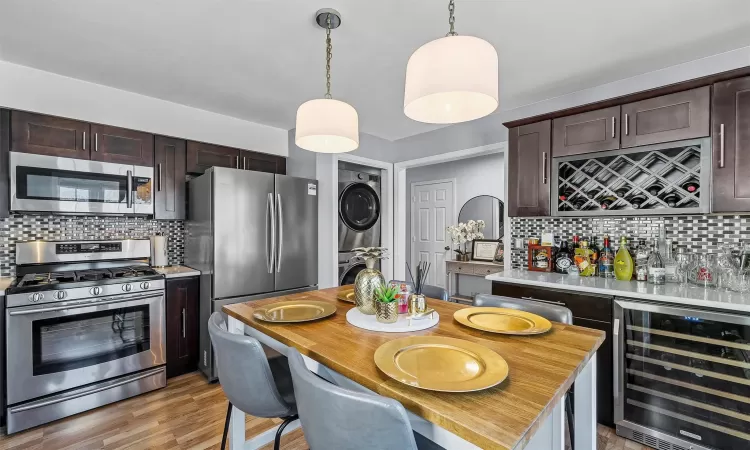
(698, 233)
(22, 228)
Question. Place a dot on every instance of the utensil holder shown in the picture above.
(386, 312)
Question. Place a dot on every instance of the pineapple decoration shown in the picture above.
(369, 279)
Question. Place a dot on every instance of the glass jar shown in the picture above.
(706, 270)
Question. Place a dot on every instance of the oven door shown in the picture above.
(66, 185)
(60, 346)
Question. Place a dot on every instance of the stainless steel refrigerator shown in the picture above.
(253, 235)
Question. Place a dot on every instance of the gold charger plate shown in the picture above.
(502, 320)
(294, 311)
(442, 364)
(345, 295)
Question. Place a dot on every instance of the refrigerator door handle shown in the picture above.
(281, 232)
(270, 212)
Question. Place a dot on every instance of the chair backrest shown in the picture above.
(555, 313)
(429, 290)
(244, 372)
(333, 417)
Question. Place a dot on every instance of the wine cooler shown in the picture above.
(682, 376)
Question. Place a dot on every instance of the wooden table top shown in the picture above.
(542, 368)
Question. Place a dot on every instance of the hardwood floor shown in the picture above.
(187, 414)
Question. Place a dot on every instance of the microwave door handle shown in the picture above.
(129, 193)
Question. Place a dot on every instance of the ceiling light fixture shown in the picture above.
(452, 79)
(326, 125)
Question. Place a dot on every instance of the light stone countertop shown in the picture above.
(4, 283)
(177, 271)
(669, 293)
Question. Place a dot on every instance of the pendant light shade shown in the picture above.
(327, 126)
(450, 80)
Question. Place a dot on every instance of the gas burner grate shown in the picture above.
(41, 279)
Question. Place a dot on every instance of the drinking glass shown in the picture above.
(684, 263)
(705, 270)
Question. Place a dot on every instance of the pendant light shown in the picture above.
(452, 79)
(326, 125)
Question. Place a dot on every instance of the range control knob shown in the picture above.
(60, 295)
(127, 287)
(145, 285)
(35, 297)
(96, 290)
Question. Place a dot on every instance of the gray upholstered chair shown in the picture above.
(334, 417)
(252, 383)
(554, 313)
(430, 291)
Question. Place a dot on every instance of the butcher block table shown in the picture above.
(524, 411)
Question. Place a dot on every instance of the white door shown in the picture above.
(431, 212)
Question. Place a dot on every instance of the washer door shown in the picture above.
(350, 274)
(359, 207)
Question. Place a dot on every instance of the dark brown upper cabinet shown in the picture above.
(120, 145)
(261, 162)
(529, 160)
(201, 157)
(731, 146)
(169, 178)
(588, 132)
(49, 135)
(673, 117)
(4, 163)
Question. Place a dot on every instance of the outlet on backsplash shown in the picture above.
(697, 233)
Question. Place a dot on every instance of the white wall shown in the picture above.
(35, 90)
(482, 175)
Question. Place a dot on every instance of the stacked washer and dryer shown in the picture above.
(359, 216)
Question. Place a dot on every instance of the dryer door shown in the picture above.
(359, 207)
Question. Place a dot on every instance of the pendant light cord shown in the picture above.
(451, 18)
(329, 50)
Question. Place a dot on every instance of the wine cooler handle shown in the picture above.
(616, 360)
(721, 146)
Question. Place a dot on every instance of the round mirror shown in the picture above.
(487, 208)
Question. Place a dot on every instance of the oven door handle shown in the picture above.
(80, 305)
(63, 398)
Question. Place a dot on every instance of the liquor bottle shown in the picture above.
(594, 247)
(656, 270)
(582, 260)
(636, 201)
(654, 189)
(623, 261)
(641, 261)
(607, 201)
(606, 260)
(691, 186)
(563, 260)
(670, 264)
(671, 199)
(564, 194)
(575, 243)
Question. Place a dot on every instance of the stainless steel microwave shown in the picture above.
(40, 183)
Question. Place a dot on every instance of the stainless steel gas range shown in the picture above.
(85, 327)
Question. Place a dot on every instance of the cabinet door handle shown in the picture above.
(244, 163)
(84, 140)
(551, 302)
(158, 180)
(183, 323)
(613, 127)
(96, 142)
(627, 123)
(544, 167)
(237, 163)
(721, 146)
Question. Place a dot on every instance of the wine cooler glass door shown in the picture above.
(684, 373)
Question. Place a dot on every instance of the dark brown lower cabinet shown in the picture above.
(182, 325)
(590, 311)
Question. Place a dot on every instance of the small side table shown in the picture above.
(472, 268)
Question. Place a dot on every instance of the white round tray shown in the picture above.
(402, 325)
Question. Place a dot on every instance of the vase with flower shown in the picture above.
(463, 234)
(369, 279)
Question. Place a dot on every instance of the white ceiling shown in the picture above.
(258, 60)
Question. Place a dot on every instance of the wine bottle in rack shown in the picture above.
(592, 194)
(636, 201)
(565, 194)
(607, 201)
(671, 199)
(691, 186)
(579, 202)
(622, 192)
(654, 189)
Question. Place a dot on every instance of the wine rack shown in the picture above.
(682, 375)
(661, 179)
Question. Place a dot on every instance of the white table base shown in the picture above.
(549, 436)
